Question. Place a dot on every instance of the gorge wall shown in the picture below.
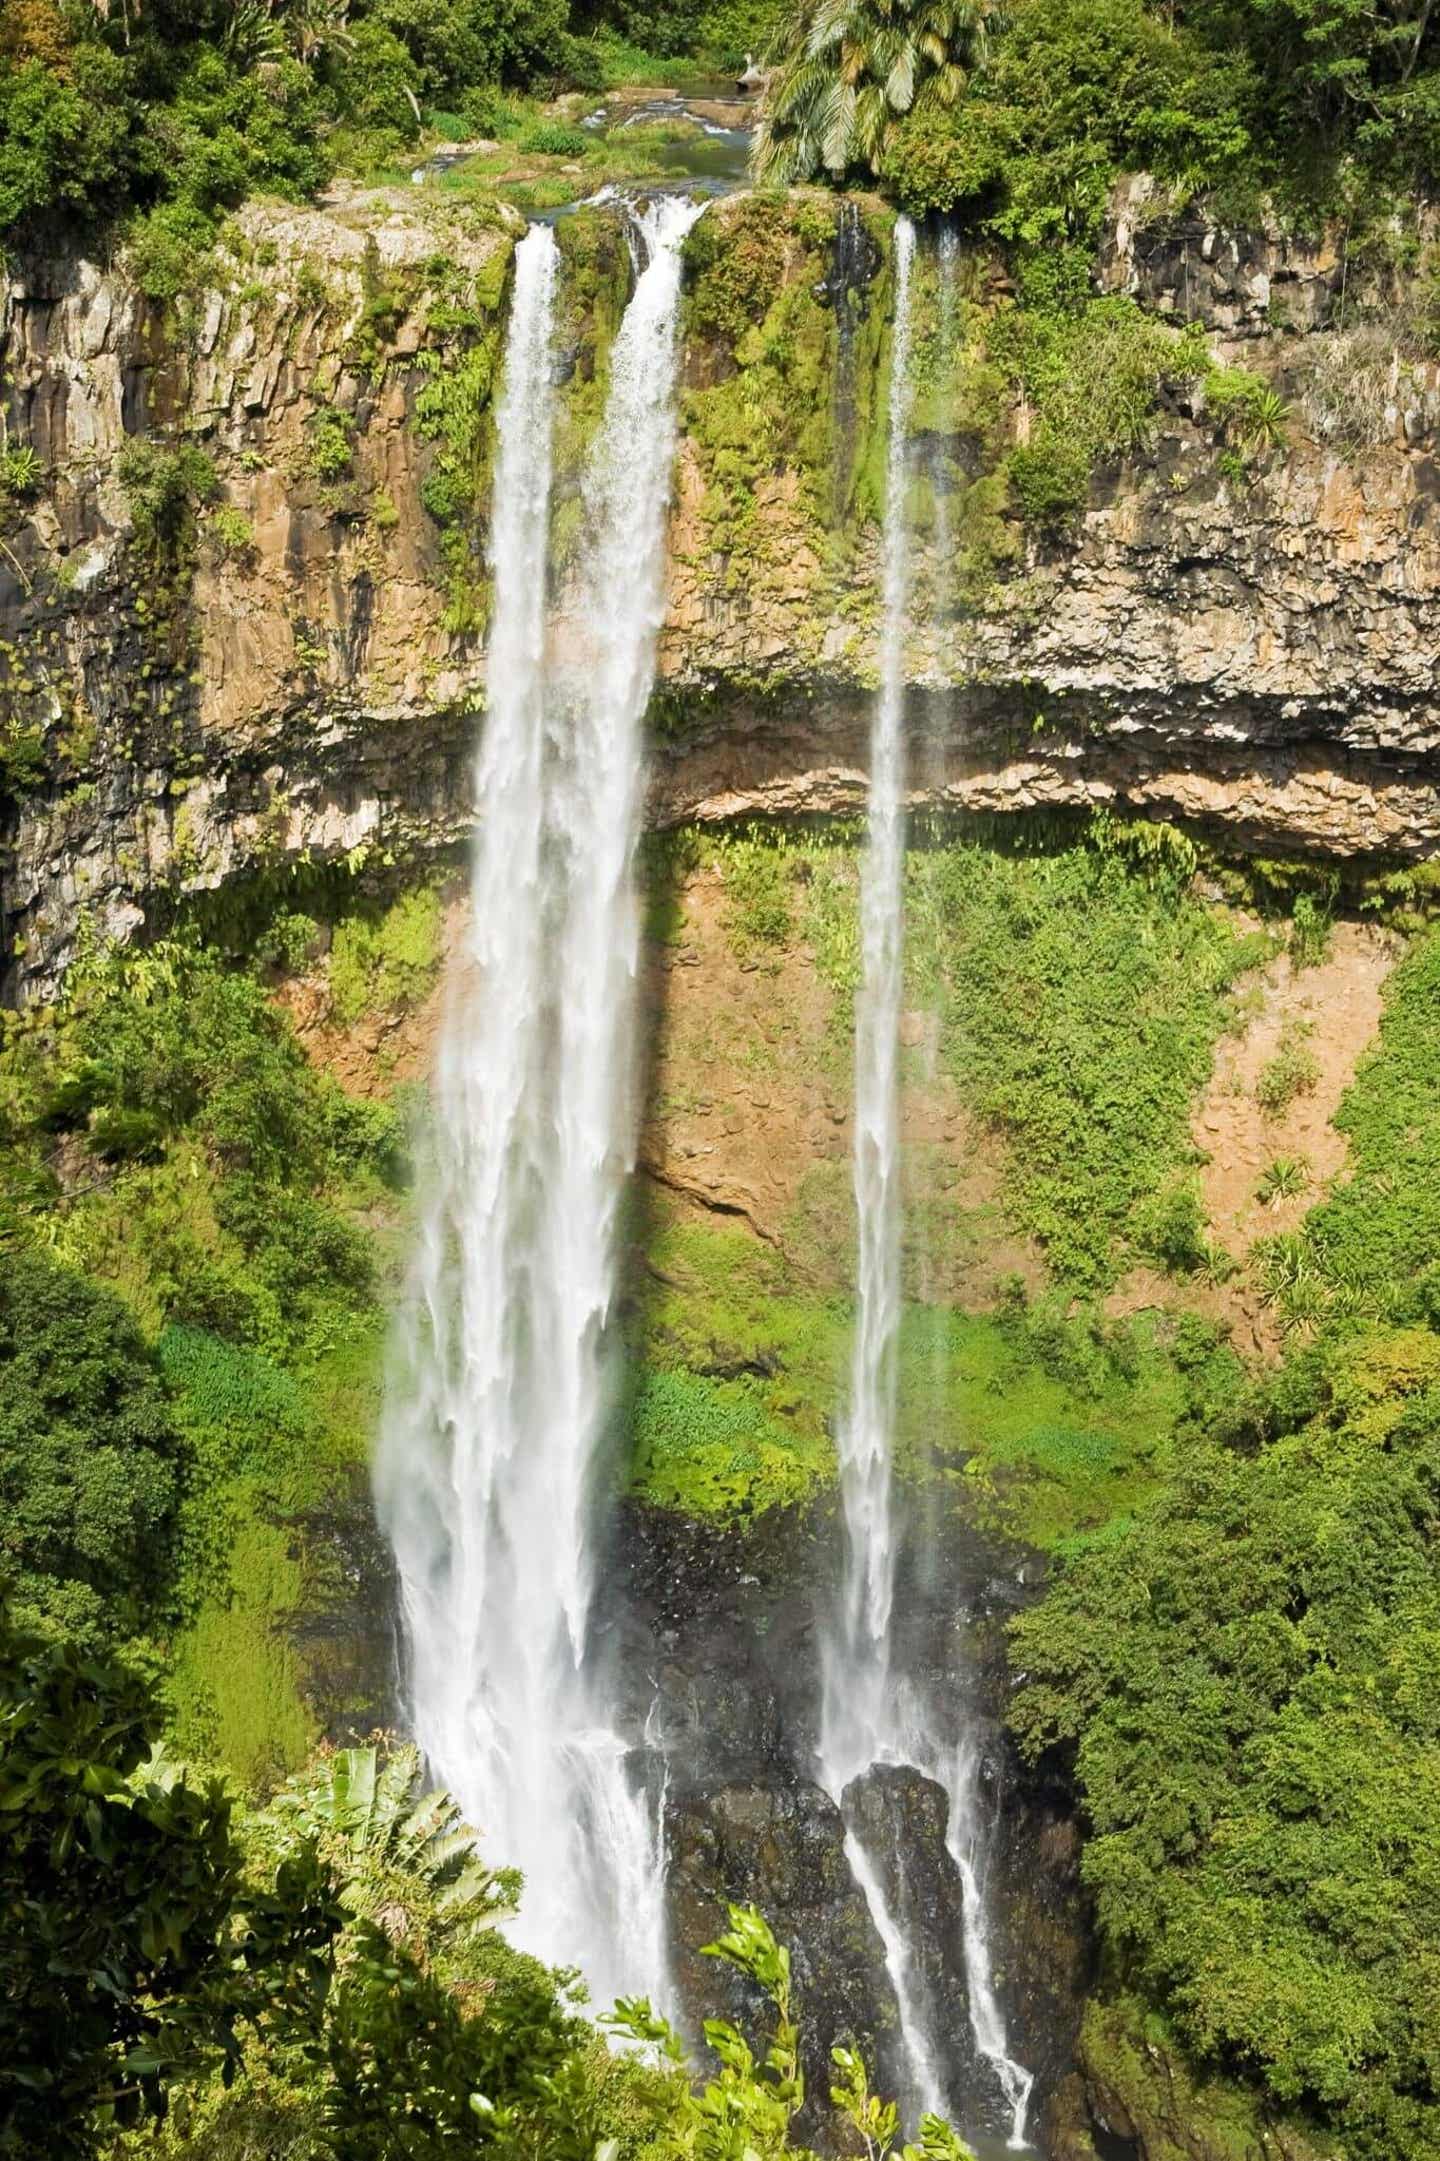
(257, 638)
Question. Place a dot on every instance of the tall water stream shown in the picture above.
(491, 1465)
(872, 1714)
(500, 1389)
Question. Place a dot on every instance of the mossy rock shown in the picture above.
(1141, 2086)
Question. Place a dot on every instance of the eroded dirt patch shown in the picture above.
(749, 1112)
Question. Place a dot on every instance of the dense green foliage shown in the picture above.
(191, 107)
(207, 1140)
(182, 108)
(1248, 1678)
(1244, 1675)
(1313, 100)
(190, 1312)
(135, 1951)
(90, 1462)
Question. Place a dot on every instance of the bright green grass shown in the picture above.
(234, 1683)
(1036, 1432)
(1032, 1425)
(267, 1444)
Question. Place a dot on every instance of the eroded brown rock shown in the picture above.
(1258, 657)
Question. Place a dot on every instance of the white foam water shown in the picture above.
(500, 1385)
(856, 1652)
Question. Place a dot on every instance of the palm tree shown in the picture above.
(848, 73)
(405, 1859)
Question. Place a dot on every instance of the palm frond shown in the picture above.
(838, 137)
(900, 82)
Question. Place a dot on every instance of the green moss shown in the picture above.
(234, 1685)
(707, 1447)
(453, 411)
(1032, 1423)
(1135, 2063)
(1089, 379)
(388, 962)
(761, 409)
(596, 279)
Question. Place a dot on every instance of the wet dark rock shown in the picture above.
(901, 1820)
(345, 1633)
(782, 1846)
(718, 1629)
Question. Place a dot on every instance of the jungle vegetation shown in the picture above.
(1015, 119)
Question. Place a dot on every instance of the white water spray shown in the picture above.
(960, 1778)
(499, 1392)
(856, 1667)
(871, 1715)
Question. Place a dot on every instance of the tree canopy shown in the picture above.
(1247, 1679)
(90, 1463)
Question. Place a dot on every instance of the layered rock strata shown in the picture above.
(285, 674)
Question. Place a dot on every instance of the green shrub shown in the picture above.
(1251, 411)
(1293, 1071)
(1091, 375)
(1282, 1179)
(710, 1447)
(1312, 925)
(228, 1388)
(756, 868)
(231, 530)
(1169, 1226)
(90, 1463)
(20, 470)
(163, 485)
(554, 139)
(136, 1953)
(332, 442)
(380, 963)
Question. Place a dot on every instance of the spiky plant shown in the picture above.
(1282, 1179)
(849, 71)
(404, 1858)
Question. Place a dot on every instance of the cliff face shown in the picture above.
(259, 639)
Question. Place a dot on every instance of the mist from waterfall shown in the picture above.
(870, 1713)
(500, 1387)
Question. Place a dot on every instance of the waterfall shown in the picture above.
(869, 1713)
(499, 1390)
(857, 1651)
(960, 1778)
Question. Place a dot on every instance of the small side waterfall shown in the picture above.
(500, 1386)
(856, 1671)
(871, 1714)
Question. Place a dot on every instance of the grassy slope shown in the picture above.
(1048, 1423)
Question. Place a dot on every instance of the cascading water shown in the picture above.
(499, 1392)
(870, 1714)
(857, 1653)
